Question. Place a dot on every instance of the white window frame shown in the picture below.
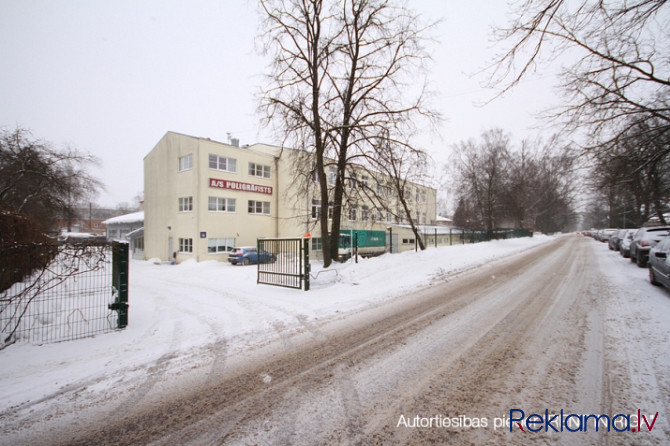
(186, 162)
(186, 204)
(229, 204)
(316, 209)
(227, 243)
(229, 164)
(332, 175)
(186, 245)
(253, 208)
(259, 170)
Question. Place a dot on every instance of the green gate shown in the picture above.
(284, 262)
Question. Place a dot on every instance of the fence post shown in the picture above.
(120, 282)
(356, 245)
(307, 265)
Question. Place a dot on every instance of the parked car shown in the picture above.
(659, 263)
(626, 240)
(643, 241)
(615, 239)
(247, 255)
(605, 234)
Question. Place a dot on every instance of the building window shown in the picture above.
(185, 204)
(185, 245)
(186, 162)
(352, 213)
(332, 175)
(408, 241)
(316, 244)
(365, 213)
(259, 207)
(222, 163)
(353, 181)
(220, 245)
(316, 208)
(220, 204)
(259, 170)
(364, 182)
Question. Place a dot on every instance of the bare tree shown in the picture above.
(619, 68)
(533, 188)
(481, 170)
(40, 182)
(403, 165)
(633, 176)
(337, 84)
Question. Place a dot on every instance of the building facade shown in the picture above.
(202, 198)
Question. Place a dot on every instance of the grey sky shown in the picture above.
(111, 78)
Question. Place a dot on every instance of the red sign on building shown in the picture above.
(243, 187)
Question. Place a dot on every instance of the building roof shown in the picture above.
(135, 217)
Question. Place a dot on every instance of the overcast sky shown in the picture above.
(111, 78)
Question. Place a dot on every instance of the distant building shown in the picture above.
(128, 228)
(119, 227)
(444, 221)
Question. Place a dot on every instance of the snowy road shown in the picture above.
(546, 329)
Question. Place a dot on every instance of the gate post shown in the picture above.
(120, 282)
(305, 250)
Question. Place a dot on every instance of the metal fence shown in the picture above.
(283, 262)
(462, 236)
(70, 293)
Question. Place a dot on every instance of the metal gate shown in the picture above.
(283, 262)
(53, 293)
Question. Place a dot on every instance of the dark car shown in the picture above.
(659, 263)
(643, 241)
(247, 255)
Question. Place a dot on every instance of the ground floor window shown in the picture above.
(220, 245)
(316, 244)
(185, 204)
(408, 241)
(259, 207)
(185, 245)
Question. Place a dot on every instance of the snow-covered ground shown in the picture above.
(191, 316)
(178, 311)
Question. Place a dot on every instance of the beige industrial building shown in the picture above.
(203, 197)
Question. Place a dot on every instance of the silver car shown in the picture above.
(626, 240)
(643, 241)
